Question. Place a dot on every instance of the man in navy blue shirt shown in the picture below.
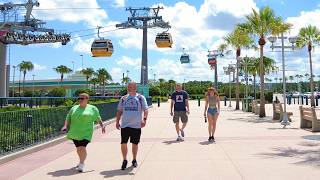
(180, 104)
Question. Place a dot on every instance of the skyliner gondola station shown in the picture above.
(23, 32)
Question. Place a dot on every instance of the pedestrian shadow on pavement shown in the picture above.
(118, 172)
(308, 157)
(172, 142)
(312, 137)
(286, 128)
(66, 172)
(206, 143)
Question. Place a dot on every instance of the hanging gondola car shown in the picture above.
(212, 60)
(102, 48)
(164, 40)
(184, 59)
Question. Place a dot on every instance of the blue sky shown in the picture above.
(197, 25)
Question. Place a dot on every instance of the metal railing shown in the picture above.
(22, 129)
(32, 102)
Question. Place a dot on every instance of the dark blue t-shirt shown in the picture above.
(180, 100)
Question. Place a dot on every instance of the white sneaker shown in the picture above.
(80, 168)
(77, 166)
(179, 138)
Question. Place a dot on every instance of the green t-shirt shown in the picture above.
(81, 122)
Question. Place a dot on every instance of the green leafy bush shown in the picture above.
(57, 92)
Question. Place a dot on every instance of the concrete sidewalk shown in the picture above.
(246, 148)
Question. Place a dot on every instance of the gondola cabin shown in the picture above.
(212, 60)
(184, 59)
(102, 48)
(164, 40)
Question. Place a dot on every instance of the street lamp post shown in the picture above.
(33, 85)
(228, 70)
(81, 61)
(292, 40)
(72, 66)
(13, 84)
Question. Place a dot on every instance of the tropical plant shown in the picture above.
(238, 39)
(291, 78)
(94, 81)
(62, 70)
(308, 37)
(24, 67)
(88, 72)
(103, 76)
(125, 80)
(261, 24)
(276, 79)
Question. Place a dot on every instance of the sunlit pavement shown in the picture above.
(246, 148)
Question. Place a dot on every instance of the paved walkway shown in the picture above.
(246, 148)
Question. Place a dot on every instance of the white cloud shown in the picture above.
(38, 67)
(82, 46)
(116, 74)
(127, 61)
(93, 17)
(304, 19)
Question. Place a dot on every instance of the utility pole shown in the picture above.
(144, 18)
(13, 84)
(23, 30)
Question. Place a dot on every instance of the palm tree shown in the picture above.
(262, 24)
(103, 76)
(24, 67)
(239, 38)
(309, 36)
(307, 76)
(125, 80)
(280, 79)
(94, 81)
(62, 70)
(254, 69)
(88, 72)
(276, 79)
(291, 78)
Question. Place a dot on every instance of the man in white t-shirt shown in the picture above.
(131, 107)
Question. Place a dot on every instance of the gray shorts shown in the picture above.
(180, 114)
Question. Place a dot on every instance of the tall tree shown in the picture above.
(62, 70)
(88, 72)
(103, 76)
(309, 36)
(261, 24)
(94, 81)
(24, 67)
(239, 38)
(291, 78)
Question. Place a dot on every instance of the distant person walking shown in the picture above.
(79, 123)
(180, 107)
(130, 108)
(211, 111)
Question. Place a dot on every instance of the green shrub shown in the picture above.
(68, 102)
(57, 92)
(88, 91)
(12, 108)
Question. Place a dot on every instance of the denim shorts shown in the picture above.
(212, 111)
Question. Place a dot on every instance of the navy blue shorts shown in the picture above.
(212, 111)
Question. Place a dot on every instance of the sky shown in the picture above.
(196, 25)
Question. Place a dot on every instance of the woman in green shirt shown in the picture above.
(80, 120)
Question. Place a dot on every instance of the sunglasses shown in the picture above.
(80, 98)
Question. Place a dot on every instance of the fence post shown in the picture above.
(317, 98)
(158, 100)
(302, 100)
(225, 101)
(198, 101)
(294, 100)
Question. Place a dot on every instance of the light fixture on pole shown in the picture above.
(72, 66)
(292, 40)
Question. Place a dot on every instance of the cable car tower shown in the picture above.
(24, 31)
(144, 18)
(212, 61)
